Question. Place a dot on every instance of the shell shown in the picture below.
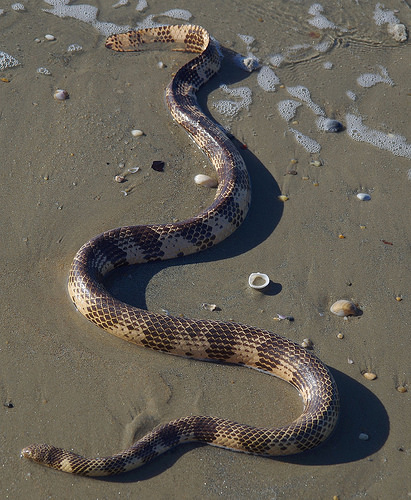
(283, 197)
(258, 281)
(61, 95)
(137, 133)
(363, 196)
(369, 375)
(50, 38)
(345, 308)
(205, 180)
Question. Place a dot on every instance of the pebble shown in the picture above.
(50, 38)
(369, 375)
(340, 335)
(363, 196)
(158, 166)
(398, 298)
(283, 197)
(363, 436)
(161, 65)
(137, 133)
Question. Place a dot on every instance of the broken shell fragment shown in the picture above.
(345, 308)
(307, 343)
(205, 180)
(209, 307)
(258, 281)
(363, 196)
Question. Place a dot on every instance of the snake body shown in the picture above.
(199, 339)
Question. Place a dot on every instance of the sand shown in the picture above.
(65, 382)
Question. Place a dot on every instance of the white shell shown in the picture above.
(363, 196)
(137, 133)
(49, 37)
(61, 95)
(258, 281)
(205, 180)
(345, 308)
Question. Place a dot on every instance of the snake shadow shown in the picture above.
(361, 412)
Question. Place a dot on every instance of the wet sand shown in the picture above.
(65, 382)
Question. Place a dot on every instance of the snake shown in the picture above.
(207, 340)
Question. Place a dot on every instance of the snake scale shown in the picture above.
(198, 339)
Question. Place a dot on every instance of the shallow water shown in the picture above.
(65, 382)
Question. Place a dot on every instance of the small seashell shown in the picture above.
(307, 343)
(61, 95)
(369, 375)
(208, 307)
(258, 281)
(363, 196)
(137, 133)
(119, 178)
(402, 389)
(205, 180)
(50, 38)
(315, 163)
(340, 335)
(398, 298)
(345, 308)
(363, 436)
(161, 65)
(283, 197)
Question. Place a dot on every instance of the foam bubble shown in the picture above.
(276, 60)
(371, 79)
(384, 16)
(267, 79)
(323, 46)
(306, 142)
(85, 13)
(288, 108)
(247, 39)
(319, 20)
(389, 142)
(120, 3)
(7, 61)
(350, 94)
(315, 8)
(231, 108)
(18, 7)
(178, 14)
(142, 4)
(74, 47)
(304, 94)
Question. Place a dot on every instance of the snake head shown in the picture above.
(43, 454)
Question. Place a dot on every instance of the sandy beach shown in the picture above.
(65, 382)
